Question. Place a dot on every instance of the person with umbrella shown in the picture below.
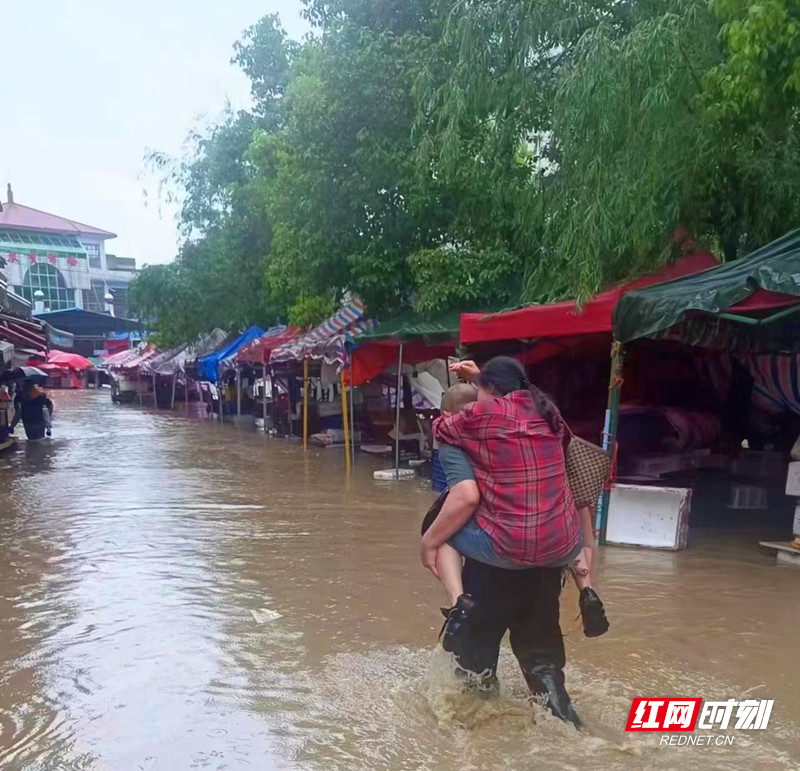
(34, 408)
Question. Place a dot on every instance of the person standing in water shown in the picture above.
(35, 409)
(511, 442)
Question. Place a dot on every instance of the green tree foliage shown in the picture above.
(346, 199)
(762, 70)
(628, 141)
(475, 154)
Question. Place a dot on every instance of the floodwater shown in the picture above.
(143, 557)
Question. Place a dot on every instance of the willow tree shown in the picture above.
(627, 136)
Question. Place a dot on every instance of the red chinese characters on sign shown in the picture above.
(32, 258)
(13, 257)
(72, 261)
(52, 259)
(663, 714)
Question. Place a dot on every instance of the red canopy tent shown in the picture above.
(133, 364)
(567, 319)
(260, 350)
(368, 361)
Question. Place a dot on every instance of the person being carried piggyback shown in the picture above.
(501, 446)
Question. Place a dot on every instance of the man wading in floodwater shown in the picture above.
(527, 533)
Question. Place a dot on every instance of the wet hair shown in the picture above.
(503, 375)
(458, 396)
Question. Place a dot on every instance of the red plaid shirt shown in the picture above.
(526, 505)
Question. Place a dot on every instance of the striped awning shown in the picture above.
(776, 382)
(328, 341)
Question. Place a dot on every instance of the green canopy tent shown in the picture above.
(405, 339)
(751, 304)
(755, 291)
(411, 327)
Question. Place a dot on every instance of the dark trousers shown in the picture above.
(34, 430)
(524, 602)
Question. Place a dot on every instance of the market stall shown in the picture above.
(407, 350)
(257, 356)
(739, 323)
(321, 355)
(127, 384)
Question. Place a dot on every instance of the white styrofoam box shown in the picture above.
(784, 553)
(653, 517)
(786, 558)
(796, 523)
(793, 479)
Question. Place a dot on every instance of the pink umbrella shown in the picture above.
(69, 361)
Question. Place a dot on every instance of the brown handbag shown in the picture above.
(588, 469)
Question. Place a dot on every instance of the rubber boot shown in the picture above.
(546, 683)
(456, 623)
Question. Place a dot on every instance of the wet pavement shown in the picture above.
(143, 557)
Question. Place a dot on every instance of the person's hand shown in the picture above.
(428, 554)
(466, 370)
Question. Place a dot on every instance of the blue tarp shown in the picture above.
(208, 366)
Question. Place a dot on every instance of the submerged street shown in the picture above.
(144, 555)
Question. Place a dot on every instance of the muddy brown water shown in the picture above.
(140, 553)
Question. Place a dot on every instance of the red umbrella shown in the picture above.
(45, 366)
(69, 361)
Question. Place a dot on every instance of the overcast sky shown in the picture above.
(88, 85)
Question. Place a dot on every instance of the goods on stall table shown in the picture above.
(377, 449)
(390, 474)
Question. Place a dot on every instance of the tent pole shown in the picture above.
(291, 405)
(174, 385)
(352, 417)
(610, 433)
(398, 396)
(139, 378)
(155, 393)
(238, 390)
(264, 390)
(346, 425)
(221, 397)
(305, 403)
(273, 385)
(186, 390)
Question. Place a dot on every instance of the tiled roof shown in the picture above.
(15, 215)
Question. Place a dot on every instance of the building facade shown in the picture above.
(65, 260)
